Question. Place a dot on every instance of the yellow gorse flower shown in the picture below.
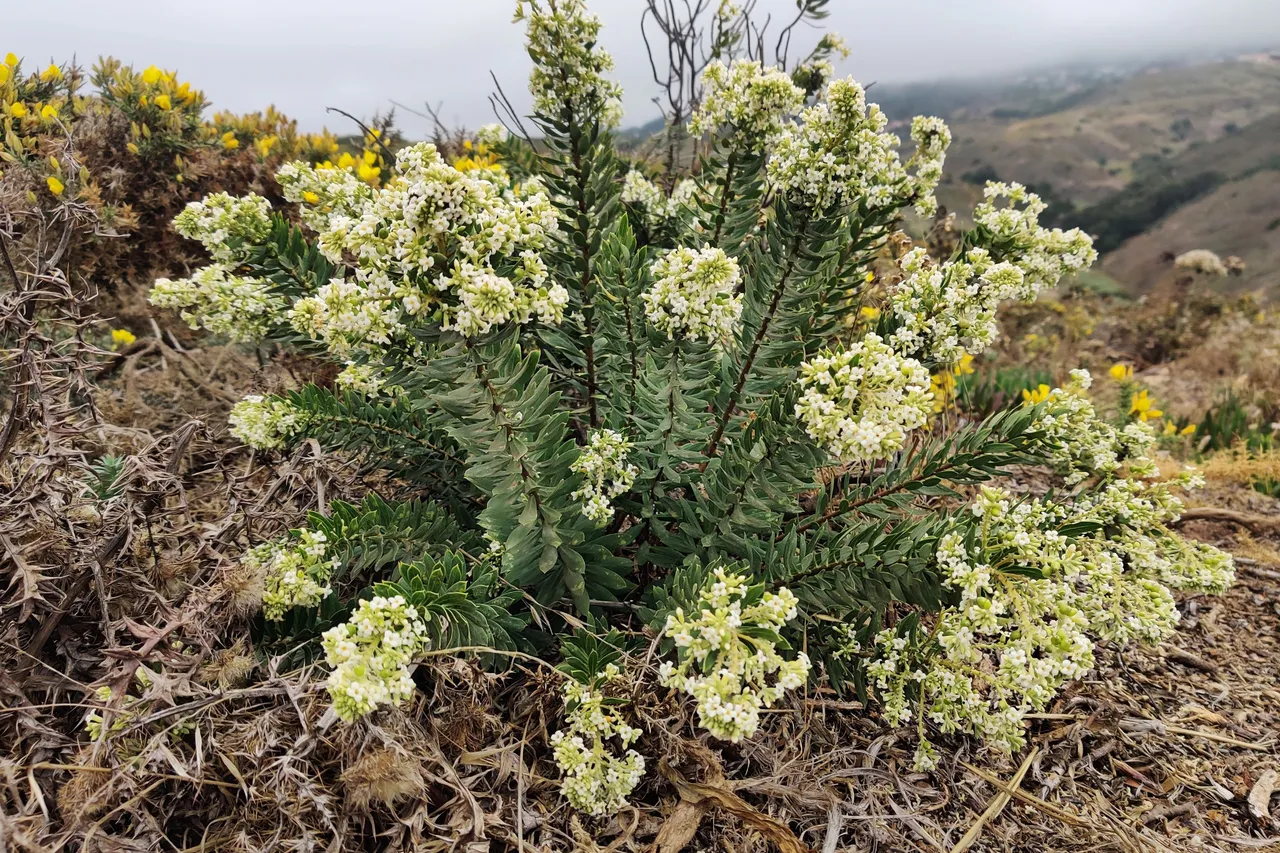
(10, 59)
(346, 161)
(5, 73)
(265, 144)
(151, 77)
(310, 198)
(964, 366)
(1189, 429)
(122, 338)
(1121, 372)
(869, 313)
(55, 186)
(1031, 396)
(1144, 407)
(18, 110)
(48, 112)
(229, 141)
(163, 102)
(53, 72)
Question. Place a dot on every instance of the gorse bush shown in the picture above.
(648, 409)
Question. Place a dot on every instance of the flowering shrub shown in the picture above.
(690, 403)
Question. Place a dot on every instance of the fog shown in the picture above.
(306, 56)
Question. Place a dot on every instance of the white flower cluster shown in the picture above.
(371, 653)
(947, 310)
(745, 100)
(432, 238)
(323, 192)
(1032, 601)
(932, 137)
(596, 781)
(1085, 445)
(694, 295)
(1202, 261)
(568, 63)
(838, 152)
(862, 402)
(606, 473)
(655, 208)
(213, 298)
(264, 423)
(1013, 233)
(491, 134)
(225, 224)
(728, 652)
(295, 572)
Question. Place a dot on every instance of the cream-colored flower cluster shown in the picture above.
(861, 403)
(264, 423)
(1013, 233)
(605, 472)
(729, 654)
(295, 572)
(371, 653)
(432, 241)
(1034, 599)
(656, 208)
(932, 138)
(215, 299)
(323, 192)
(1201, 261)
(694, 295)
(226, 225)
(1084, 444)
(838, 153)
(947, 310)
(596, 780)
(569, 63)
(745, 101)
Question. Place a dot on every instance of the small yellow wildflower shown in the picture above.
(10, 59)
(964, 366)
(122, 338)
(48, 112)
(1170, 428)
(132, 147)
(4, 74)
(466, 143)
(870, 313)
(1121, 372)
(229, 141)
(368, 173)
(142, 102)
(869, 277)
(1189, 429)
(151, 76)
(1031, 396)
(18, 109)
(55, 185)
(1144, 407)
(346, 161)
(53, 72)
(310, 198)
(163, 102)
(265, 144)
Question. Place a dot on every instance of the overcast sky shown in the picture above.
(305, 55)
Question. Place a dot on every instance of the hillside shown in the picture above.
(1088, 146)
(1152, 161)
(1239, 218)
